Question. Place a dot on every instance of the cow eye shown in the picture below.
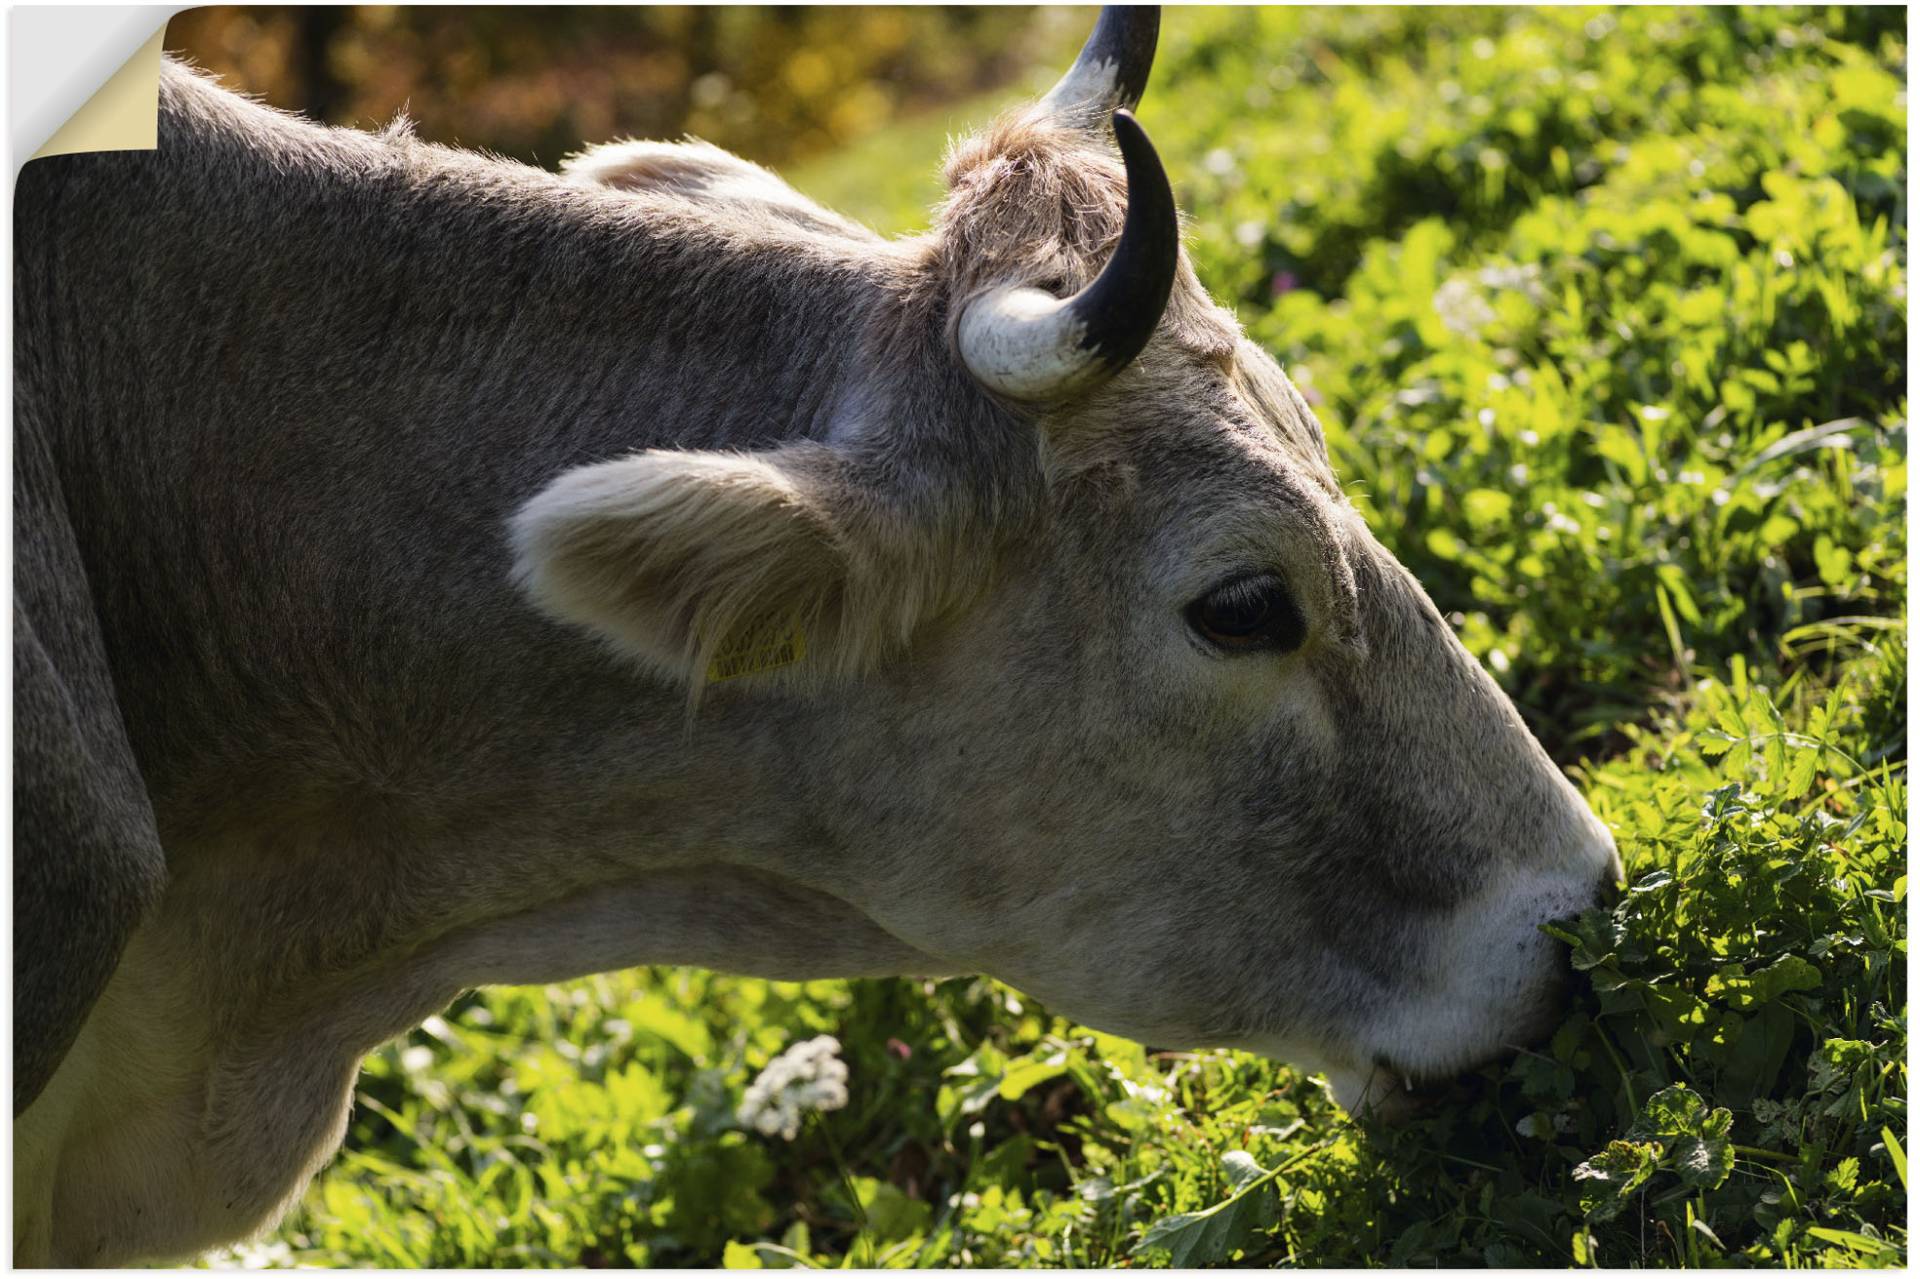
(1249, 614)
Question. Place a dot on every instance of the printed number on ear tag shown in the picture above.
(751, 654)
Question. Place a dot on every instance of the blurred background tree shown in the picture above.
(775, 84)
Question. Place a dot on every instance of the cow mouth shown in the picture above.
(1408, 1081)
(1412, 1082)
(1393, 1094)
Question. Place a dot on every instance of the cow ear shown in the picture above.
(705, 566)
(685, 168)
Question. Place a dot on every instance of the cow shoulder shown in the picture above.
(87, 862)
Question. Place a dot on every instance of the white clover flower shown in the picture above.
(807, 1076)
(1461, 308)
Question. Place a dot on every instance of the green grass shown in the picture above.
(1605, 316)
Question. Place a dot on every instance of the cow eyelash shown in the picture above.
(1250, 614)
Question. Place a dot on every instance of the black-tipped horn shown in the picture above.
(1122, 306)
(1029, 345)
(1111, 71)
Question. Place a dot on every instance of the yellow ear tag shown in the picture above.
(752, 653)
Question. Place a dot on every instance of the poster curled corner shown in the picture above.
(122, 115)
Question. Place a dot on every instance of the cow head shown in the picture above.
(1090, 676)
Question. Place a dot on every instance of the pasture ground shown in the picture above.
(1604, 313)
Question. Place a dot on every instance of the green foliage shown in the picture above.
(1605, 315)
(1635, 401)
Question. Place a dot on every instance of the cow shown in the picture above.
(434, 571)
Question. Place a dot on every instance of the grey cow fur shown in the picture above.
(380, 505)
